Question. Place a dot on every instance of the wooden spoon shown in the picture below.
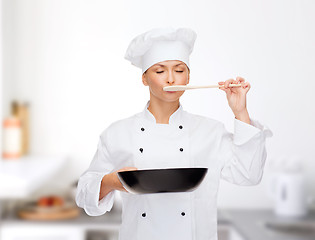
(185, 87)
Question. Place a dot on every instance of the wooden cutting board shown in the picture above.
(49, 213)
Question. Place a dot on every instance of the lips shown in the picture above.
(169, 91)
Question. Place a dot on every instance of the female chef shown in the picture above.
(163, 135)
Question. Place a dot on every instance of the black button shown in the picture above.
(142, 129)
(141, 149)
(183, 213)
(144, 214)
(181, 149)
(180, 127)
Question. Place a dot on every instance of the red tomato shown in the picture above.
(44, 202)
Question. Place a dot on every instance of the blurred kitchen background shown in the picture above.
(64, 79)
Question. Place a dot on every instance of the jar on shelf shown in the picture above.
(12, 137)
(20, 110)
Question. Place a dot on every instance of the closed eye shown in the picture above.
(160, 72)
(179, 71)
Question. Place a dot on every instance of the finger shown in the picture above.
(228, 82)
(247, 86)
(240, 79)
(235, 89)
(224, 89)
(127, 169)
(228, 92)
(130, 169)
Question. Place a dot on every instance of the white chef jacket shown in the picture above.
(188, 140)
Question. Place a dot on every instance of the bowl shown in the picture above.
(162, 180)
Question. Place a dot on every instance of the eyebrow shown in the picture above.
(164, 65)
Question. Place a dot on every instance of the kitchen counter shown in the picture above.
(250, 224)
(108, 221)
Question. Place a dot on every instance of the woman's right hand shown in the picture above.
(119, 185)
(111, 182)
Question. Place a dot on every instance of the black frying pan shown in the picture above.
(162, 180)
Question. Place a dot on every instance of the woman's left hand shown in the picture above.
(236, 96)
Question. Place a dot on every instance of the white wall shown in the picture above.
(66, 58)
(1, 72)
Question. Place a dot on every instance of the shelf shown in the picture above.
(21, 177)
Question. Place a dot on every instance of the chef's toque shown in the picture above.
(161, 44)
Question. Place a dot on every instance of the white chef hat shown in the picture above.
(161, 44)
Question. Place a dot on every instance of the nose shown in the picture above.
(171, 78)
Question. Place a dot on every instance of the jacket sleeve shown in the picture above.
(244, 153)
(88, 189)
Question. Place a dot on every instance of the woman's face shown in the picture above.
(167, 73)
